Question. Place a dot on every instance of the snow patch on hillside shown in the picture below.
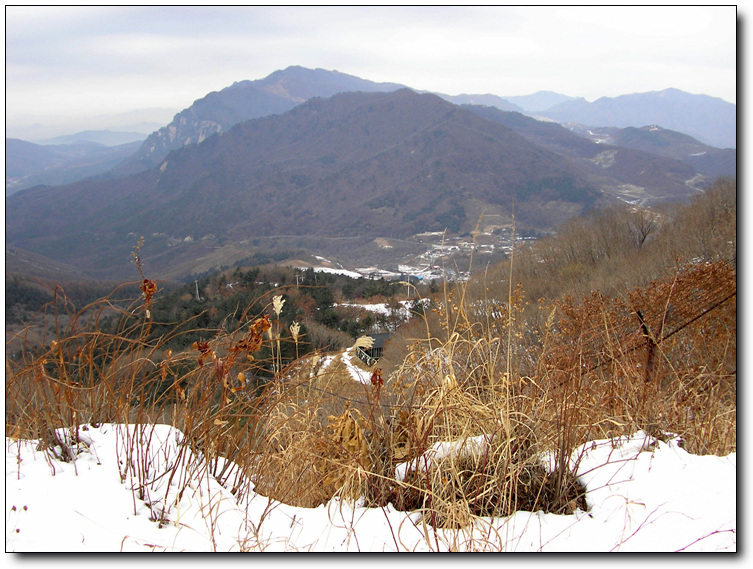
(643, 495)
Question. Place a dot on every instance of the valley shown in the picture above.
(425, 256)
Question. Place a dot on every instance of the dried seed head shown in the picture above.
(364, 342)
(295, 329)
(277, 303)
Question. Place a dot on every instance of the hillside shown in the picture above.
(18, 261)
(632, 172)
(353, 167)
(654, 139)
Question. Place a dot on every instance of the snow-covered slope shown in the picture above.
(643, 495)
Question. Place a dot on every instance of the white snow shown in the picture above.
(358, 374)
(404, 309)
(345, 272)
(378, 308)
(643, 495)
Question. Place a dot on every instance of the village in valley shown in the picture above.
(443, 259)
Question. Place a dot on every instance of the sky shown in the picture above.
(76, 67)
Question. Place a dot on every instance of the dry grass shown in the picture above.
(506, 380)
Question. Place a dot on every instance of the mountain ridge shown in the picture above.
(283, 89)
(633, 151)
(28, 164)
(356, 165)
(538, 101)
(244, 100)
(705, 159)
(711, 120)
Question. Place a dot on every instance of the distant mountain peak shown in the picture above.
(711, 120)
(538, 101)
(244, 100)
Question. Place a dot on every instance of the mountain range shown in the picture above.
(354, 166)
(651, 142)
(245, 100)
(711, 120)
(332, 159)
(71, 159)
(704, 158)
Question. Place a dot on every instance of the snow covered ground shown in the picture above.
(358, 374)
(643, 495)
(335, 271)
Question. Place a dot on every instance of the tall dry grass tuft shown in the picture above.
(470, 439)
(99, 364)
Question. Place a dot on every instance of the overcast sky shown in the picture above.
(65, 66)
